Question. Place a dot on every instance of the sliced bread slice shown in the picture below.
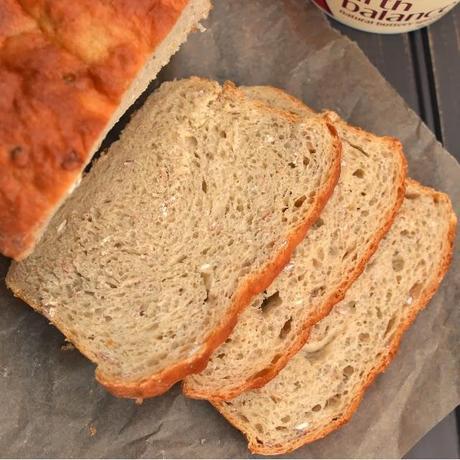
(191, 213)
(323, 384)
(334, 253)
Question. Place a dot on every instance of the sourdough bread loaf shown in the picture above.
(191, 213)
(369, 192)
(68, 71)
(323, 384)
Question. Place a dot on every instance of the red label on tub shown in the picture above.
(322, 4)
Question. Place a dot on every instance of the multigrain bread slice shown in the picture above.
(322, 386)
(369, 192)
(193, 212)
(68, 71)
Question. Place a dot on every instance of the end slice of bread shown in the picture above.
(322, 386)
(69, 70)
(334, 253)
(191, 213)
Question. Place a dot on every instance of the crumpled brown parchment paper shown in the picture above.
(50, 404)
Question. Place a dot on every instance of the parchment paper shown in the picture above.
(50, 405)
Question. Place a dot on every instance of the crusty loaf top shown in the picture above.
(64, 67)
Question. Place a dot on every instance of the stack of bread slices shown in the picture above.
(269, 256)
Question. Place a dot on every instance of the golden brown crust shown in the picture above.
(257, 448)
(261, 378)
(64, 67)
(161, 382)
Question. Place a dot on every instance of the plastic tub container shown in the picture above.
(386, 16)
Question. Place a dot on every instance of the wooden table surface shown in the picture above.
(424, 67)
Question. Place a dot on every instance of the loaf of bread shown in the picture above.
(189, 215)
(369, 192)
(323, 384)
(68, 71)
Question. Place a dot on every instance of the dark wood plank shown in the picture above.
(439, 442)
(424, 83)
(444, 47)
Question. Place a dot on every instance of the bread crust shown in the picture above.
(259, 379)
(160, 382)
(257, 448)
(64, 67)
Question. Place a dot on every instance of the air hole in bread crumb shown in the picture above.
(364, 337)
(259, 428)
(306, 161)
(359, 173)
(241, 416)
(348, 371)
(285, 329)
(333, 401)
(348, 252)
(390, 326)
(191, 142)
(316, 408)
(271, 302)
(319, 223)
(300, 201)
(318, 291)
(415, 290)
(397, 263)
(204, 186)
(286, 419)
(411, 196)
(292, 165)
(281, 428)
